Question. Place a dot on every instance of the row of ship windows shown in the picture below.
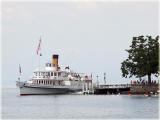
(47, 74)
(46, 82)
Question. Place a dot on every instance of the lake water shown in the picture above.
(78, 106)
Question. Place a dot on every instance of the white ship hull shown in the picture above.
(47, 90)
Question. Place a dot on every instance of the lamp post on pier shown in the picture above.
(105, 78)
(97, 81)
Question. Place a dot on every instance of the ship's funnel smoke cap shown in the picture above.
(55, 60)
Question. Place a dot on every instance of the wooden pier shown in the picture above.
(112, 89)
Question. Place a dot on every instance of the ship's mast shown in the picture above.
(39, 62)
(20, 72)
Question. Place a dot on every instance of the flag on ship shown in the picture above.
(39, 48)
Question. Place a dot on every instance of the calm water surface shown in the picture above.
(78, 106)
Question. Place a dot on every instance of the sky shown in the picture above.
(90, 37)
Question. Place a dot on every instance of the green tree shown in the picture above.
(142, 59)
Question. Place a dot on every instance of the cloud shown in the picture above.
(15, 11)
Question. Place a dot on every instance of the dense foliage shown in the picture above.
(142, 59)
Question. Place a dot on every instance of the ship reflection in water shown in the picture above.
(78, 106)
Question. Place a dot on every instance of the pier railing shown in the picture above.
(115, 86)
(124, 85)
